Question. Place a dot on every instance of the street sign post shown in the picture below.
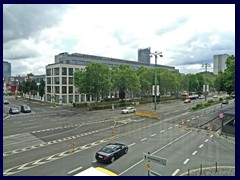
(155, 159)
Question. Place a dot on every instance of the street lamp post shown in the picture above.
(206, 65)
(155, 54)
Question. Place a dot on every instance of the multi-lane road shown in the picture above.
(41, 142)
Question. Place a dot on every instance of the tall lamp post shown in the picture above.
(155, 54)
(206, 65)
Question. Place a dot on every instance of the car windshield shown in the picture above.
(14, 109)
(106, 149)
(27, 108)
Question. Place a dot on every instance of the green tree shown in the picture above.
(94, 81)
(229, 75)
(41, 88)
(125, 80)
(145, 76)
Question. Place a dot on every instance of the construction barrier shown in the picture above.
(74, 147)
(188, 125)
(199, 127)
(209, 128)
(113, 132)
(147, 114)
(180, 124)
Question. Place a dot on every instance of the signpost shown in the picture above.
(155, 159)
(221, 115)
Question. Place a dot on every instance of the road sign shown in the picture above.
(155, 159)
(221, 115)
(148, 165)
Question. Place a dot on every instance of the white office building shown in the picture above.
(219, 63)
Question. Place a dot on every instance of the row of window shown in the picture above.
(67, 98)
(56, 80)
(64, 71)
(56, 89)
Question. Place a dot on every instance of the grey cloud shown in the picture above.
(27, 20)
(173, 26)
(14, 50)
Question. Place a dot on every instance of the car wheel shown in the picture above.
(126, 150)
(112, 159)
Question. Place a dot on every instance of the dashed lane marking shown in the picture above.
(186, 161)
(195, 152)
(201, 146)
(175, 172)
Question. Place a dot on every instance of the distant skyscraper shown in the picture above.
(143, 55)
(6, 69)
(219, 63)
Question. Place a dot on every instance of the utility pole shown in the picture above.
(205, 89)
(155, 54)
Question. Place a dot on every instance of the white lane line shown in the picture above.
(143, 139)
(162, 131)
(28, 124)
(70, 172)
(170, 128)
(186, 161)
(176, 124)
(206, 140)
(17, 122)
(201, 146)
(195, 152)
(175, 172)
(32, 120)
(211, 136)
(153, 153)
(32, 127)
(131, 144)
(153, 135)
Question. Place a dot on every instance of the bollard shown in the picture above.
(199, 127)
(209, 128)
(73, 144)
(113, 132)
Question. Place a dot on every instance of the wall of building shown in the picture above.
(219, 63)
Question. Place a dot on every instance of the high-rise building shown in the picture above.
(6, 69)
(144, 55)
(219, 63)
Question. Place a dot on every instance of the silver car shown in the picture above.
(129, 110)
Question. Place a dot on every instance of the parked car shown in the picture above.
(129, 110)
(187, 101)
(110, 152)
(201, 97)
(225, 101)
(25, 108)
(215, 96)
(5, 101)
(14, 110)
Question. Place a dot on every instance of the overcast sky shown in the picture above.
(187, 35)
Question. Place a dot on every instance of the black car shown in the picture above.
(225, 101)
(111, 152)
(25, 108)
(14, 110)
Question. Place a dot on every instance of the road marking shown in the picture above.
(186, 161)
(143, 139)
(32, 120)
(32, 127)
(206, 140)
(17, 122)
(162, 131)
(211, 136)
(28, 124)
(201, 146)
(195, 152)
(170, 128)
(176, 125)
(153, 135)
(153, 153)
(175, 172)
(131, 144)
(74, 170)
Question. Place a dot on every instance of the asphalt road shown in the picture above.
(40, 143)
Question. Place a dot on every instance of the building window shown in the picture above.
(56, 89)
(64, 89)
(56, 80)
(70, 80)
(49, 89)
(64, 71)
(76, 69)
(48, 72)
(56, 71)
(48, 80)
(64, 80)
(76, 98)
(64, 99)
(70, 89)
(70, 71)
(70, 98)
(48, 97)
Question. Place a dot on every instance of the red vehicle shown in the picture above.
(187, 101)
